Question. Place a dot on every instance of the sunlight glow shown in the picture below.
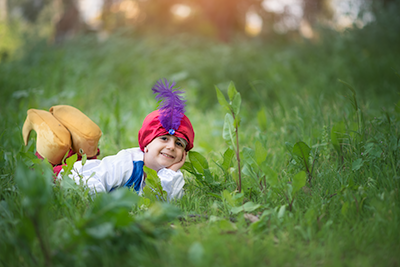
(293, 13)
(90, 10)
(282, 6)
(130, 8)
(346, 14)
(181, 11)
(306, 29)
(253, 23)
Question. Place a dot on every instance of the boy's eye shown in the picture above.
(179, 144)
(163, 138)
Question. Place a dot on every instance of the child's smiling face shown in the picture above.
(163, 151)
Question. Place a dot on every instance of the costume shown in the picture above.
(123, 169)
(67, 130)
(63, 129)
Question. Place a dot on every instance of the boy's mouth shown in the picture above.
(166, 155)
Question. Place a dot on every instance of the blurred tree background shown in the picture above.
(219, 19)
(264, 46)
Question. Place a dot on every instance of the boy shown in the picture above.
(164, 139)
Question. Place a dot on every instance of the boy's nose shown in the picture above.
(171, 144)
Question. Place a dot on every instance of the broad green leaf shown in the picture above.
(262, 119)
(248, 171)
(221, 99)
(198, 161)
(70, 164)
(357, 164)
(228, 156)
(270, 174)
(214, 218)
(26, 157)
(299, 180)
(289, 147)
(151, 177)
(228, 132)
(238, 197)
(302, 150)
(222, 224)
(150, 194)
(251, 206)
(153, 181)
(260, 153)
(266, 214)
(208, 176)
(232, 91)
(236, 210)
(228, 198)
(281, 211)
(236, 102)
(225, 225)
(71, 160)
(143, 201)
(188, 166)
(247, 207)
(249, 157)
(200, 178)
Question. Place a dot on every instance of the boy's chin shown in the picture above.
(166, 163)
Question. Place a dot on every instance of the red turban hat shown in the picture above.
(152, 128)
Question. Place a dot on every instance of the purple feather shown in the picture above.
(172, 106)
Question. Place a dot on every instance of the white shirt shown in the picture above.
(114, 171)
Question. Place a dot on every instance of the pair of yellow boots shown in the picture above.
(60, 129)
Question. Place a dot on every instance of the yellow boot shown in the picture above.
(53, 139)
(84, 132)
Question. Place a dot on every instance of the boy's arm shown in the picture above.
(172, 182)
(103, 175)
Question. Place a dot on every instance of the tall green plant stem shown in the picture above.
(238, 155)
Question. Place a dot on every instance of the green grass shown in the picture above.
(347, 216)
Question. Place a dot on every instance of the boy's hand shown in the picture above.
(176, 166)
